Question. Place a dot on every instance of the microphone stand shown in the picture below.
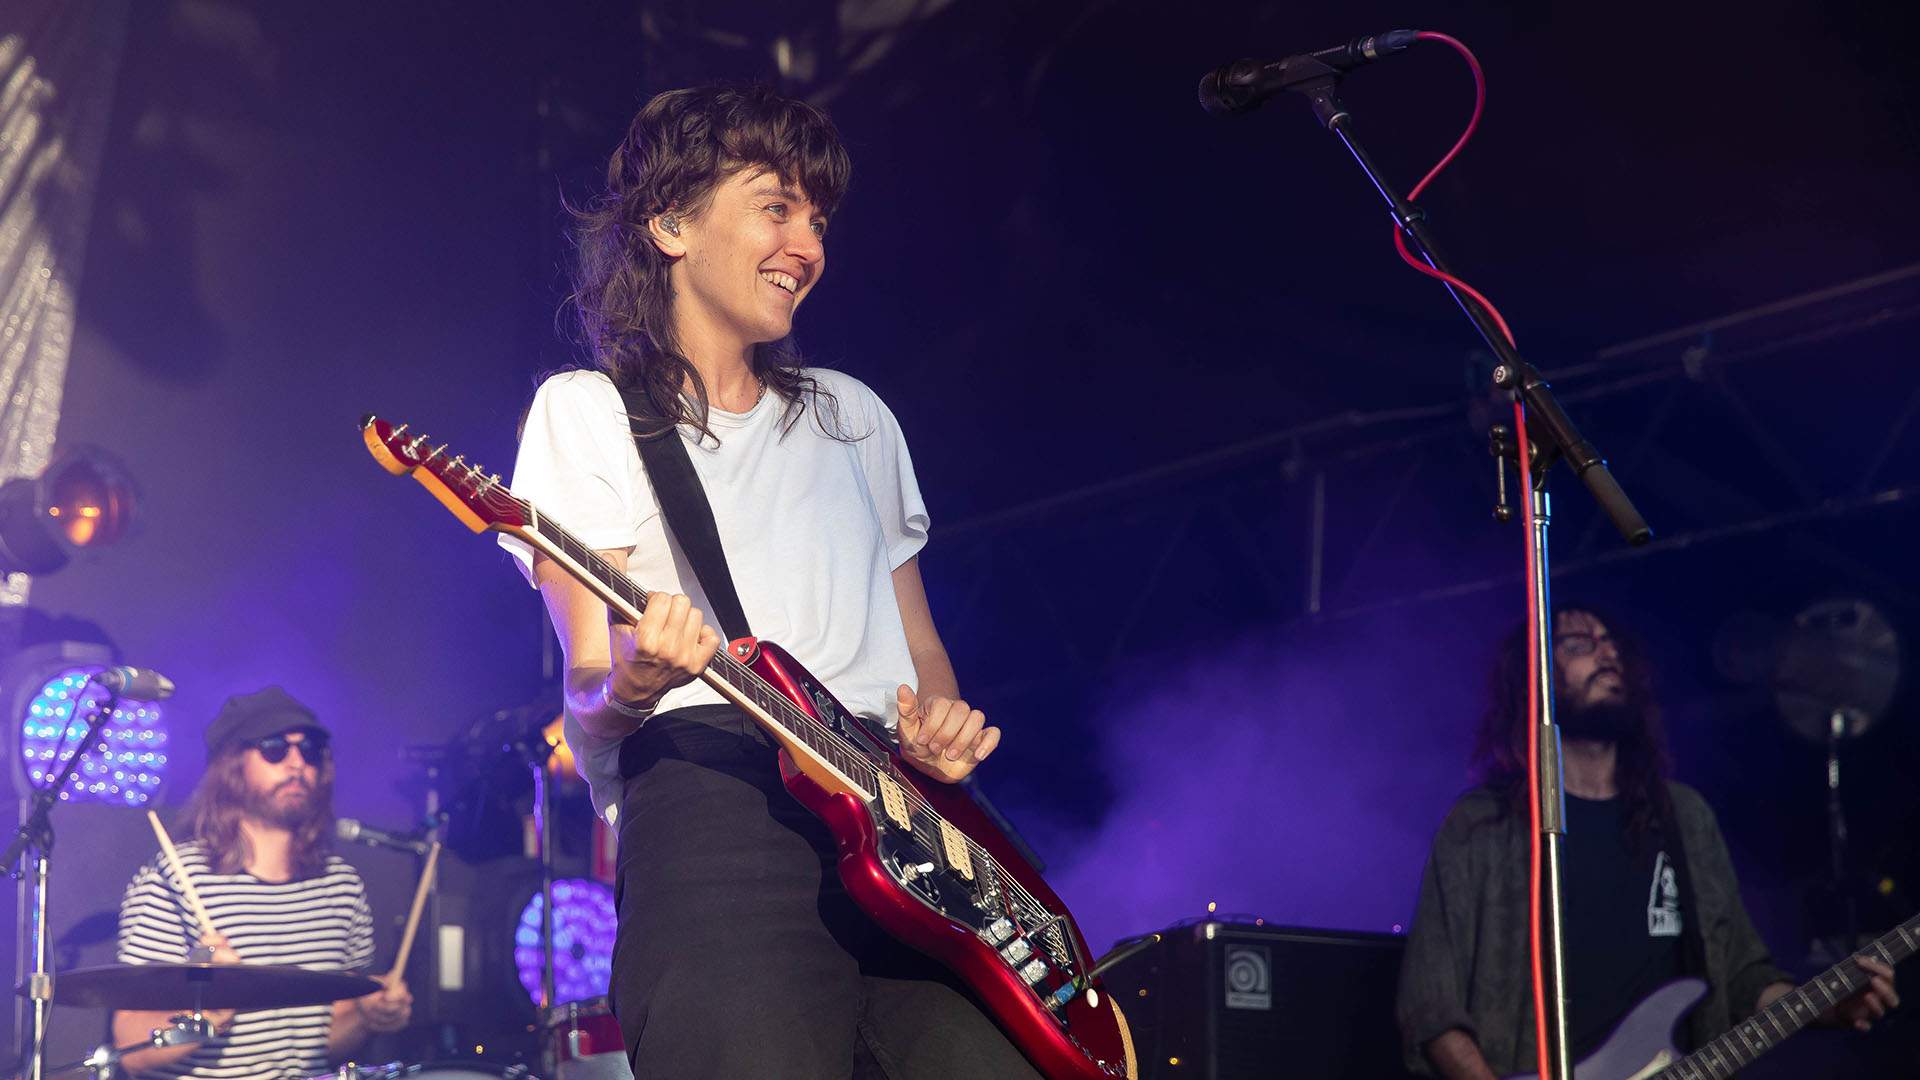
(35, 834)
(1554, 437)
(543, 830)
(535, 752)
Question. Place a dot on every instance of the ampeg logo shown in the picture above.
(1249, 977)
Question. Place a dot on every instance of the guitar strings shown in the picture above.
(775, 703)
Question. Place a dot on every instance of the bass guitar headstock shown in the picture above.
(478, 499)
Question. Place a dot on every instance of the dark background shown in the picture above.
(1128, 342)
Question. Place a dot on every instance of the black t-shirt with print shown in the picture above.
(1623, 919)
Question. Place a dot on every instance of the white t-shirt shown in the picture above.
(812, 527)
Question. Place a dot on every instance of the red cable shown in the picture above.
(1541, 1058)
(1399, 238)
(1533, 746)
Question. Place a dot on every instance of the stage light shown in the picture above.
(124, 768)
(83, 500)
(560, 764)
(583, 930)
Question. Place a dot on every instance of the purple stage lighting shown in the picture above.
(583, 925)
(124, 768)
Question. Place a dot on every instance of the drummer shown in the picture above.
(254, 842)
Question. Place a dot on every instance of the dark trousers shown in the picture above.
(739, 955)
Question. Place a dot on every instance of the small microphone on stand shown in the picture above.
(135, 684)
(358, 832)
(1244, 84)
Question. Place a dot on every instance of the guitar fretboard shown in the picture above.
(1794, 1010)
(828, 745)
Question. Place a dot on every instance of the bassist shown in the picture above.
(1650, 890)
(738, 953)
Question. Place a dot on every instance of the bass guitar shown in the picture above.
(918, 856)
(1641, 1047)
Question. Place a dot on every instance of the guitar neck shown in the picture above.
(595, 572)
(483, 503)
(728, 676)
(1794, 1010)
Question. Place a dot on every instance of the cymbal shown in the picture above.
(210, 986)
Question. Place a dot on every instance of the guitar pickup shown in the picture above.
(998, 931)
(1017, 950)
(893, 802)
(953, 843)
(1035, 970)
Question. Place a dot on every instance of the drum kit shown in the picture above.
(582, 1039)
(577, 1040)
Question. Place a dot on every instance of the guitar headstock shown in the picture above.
(478, 499)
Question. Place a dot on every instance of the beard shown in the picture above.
(289, 806)
(1602, 721)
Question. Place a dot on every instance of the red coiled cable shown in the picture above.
(1399, 238)
(1541, 1051)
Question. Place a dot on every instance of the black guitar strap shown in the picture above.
(683, 503)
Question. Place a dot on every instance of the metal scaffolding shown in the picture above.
(1735, 427)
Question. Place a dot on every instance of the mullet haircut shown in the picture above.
(679, 148)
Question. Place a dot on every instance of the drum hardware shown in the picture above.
(184, 1030)
(581, 1040)
(535, 750)
(207, 986)
(432, 1070)
(1833, 670)
(490, 795)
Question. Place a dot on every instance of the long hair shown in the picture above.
(218, 804)
(679, 148)
(1642, 762)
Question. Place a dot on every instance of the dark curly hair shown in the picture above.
(1642, 765)
(679, 148)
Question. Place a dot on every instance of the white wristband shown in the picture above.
(624, 708)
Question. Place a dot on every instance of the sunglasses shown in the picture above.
(313, 748)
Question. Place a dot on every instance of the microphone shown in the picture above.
(359, 832)
(135, 684)
(1242, 85)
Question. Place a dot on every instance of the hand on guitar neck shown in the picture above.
(670, 646)
(1859, 1011)
(606, 657)
(942, 736)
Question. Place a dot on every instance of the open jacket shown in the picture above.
(1466, 962)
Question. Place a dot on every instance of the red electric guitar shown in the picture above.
(917, 855)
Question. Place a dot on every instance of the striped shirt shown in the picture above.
(321, 923)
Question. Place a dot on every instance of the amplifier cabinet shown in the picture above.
(1243, 1001)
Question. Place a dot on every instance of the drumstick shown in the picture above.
(413, 916)
(180, 874)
